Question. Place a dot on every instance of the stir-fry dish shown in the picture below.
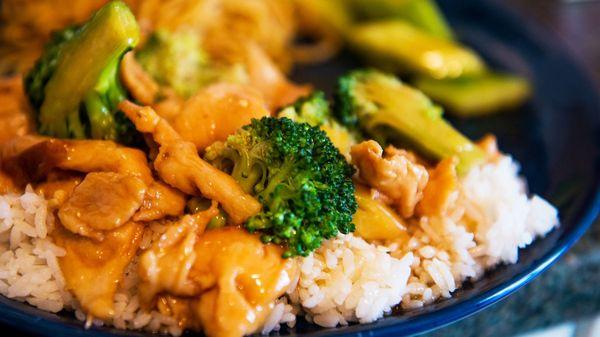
(160, 172)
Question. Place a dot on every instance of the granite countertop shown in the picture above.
(569, 290)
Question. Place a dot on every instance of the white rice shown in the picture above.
(507, 219)
(349, 280)
(346, 280)
(29, 270)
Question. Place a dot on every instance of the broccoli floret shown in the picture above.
(389, 111)
(75, 88)
(314, 110)
(177, 60)
(301, 179)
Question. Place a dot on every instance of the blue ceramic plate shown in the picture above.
(556, 137)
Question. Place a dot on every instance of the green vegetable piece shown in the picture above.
(173, 60)
(177, 60)
(477, 95)
(397, 46)
(388, 110)
(220, 220)
(199, 204)
(301, 179)
(314, 110)
(75, 86)
(36, 79)
(423, 14)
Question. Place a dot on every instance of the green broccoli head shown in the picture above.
(387, 110)
(75, 88)
(176, 59)
(314, 110)
(302, 180)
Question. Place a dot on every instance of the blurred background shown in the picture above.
(562, 308)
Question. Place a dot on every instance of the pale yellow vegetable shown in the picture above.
(396, 45)
(477, 95)
(374, 220)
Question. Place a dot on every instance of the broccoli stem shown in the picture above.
(423, 14)
(109, 85)
(397, 46)
(86, 64)
(246, 171)
(477, 95)
(102, 100)
(434, 136)
(100, 117)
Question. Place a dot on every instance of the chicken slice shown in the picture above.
(265, 76)
(141, 85)
(17, 145)
(7, 184)
(102, 202)
(234, 281)
(31, 159)
(166, 266)
(218, 111)
(161, 200)
(242, 278)
(441, 190)
(37, 160)
(489, 145)
(212, 114)
(12, 174)
(179, 165)
(93, 270)
(394, 174)
(59, 186)
(105, 156)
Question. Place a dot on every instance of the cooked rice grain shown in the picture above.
(29, 270)
(349, 280)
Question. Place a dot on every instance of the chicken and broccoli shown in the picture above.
(208, 176)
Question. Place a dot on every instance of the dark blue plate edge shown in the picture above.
(41, 326)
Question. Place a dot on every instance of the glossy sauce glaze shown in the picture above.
(231, 287)
(93, 269)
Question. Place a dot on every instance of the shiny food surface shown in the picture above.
(224, 280)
